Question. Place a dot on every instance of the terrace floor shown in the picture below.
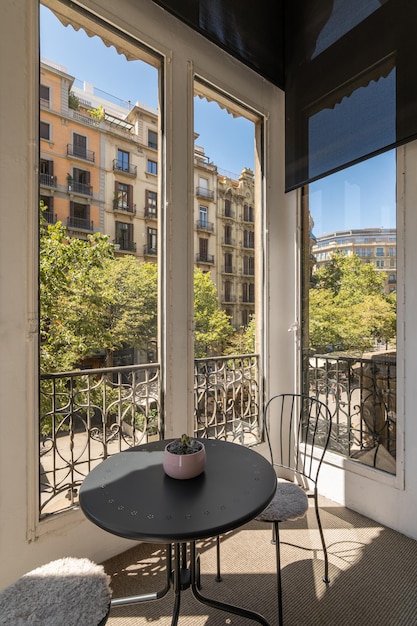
(373, 573)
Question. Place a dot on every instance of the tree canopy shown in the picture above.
(90, 301)
(348, 307)
(212, 328)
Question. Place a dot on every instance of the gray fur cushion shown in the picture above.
(66, 592)
(290, 502)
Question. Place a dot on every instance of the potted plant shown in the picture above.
(184, 457)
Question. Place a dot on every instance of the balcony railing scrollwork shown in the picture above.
(85, 417)
(226, 398)
(361, 394)
(89, 415)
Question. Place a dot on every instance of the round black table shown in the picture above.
(130, 495)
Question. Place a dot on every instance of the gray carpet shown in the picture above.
(373, 573)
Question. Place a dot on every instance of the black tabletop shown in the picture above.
(130, 495)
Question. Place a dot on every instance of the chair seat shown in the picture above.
(290, 502)
(66, 592)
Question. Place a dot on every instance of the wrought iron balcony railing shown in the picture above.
(361, 394)
(80, 152)
(83, 188)
(80, 222)
(205, 225)
(50, 217)
(125, 168)
(204, 258)
(127, 208)
(90, 414)
(203, 192)
(127, 245)
(227, 398)
(47, 180)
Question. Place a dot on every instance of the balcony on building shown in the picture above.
(80, 188)
(129, 170)
(124, 207)
(125, 245)
(80, 223)
(203, 192)
(205, 258)
(50, 217)
(47, 180)
(150, 250)
(205, 225)
(80, 153)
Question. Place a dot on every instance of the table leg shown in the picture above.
(155, 595)
(222, 606)
(177, 585)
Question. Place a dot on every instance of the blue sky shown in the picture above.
(359, 197)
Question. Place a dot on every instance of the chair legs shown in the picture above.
(278, 557)
(276, 541)
(326, 578)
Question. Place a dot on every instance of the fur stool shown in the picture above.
(66, 592)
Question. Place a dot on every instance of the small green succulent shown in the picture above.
(184, 445)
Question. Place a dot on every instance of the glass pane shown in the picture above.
(100, 390)
(226, 385)
(349, 306)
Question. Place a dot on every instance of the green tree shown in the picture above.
(133, 301)
(73, 297)
(348, 307)
(212, 328)
(90, 300)
(243, 341)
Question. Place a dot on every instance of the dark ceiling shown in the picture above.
(348, 69)
(252, 32)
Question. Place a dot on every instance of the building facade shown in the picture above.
(236, 247)
(99, 173)
(372, 245)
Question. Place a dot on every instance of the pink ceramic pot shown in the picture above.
(184, 466)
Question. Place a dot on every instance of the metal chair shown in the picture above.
(66, 592)
(300, 425)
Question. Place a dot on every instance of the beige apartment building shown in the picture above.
(236, 247)
(99, 173)
(372, 245)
